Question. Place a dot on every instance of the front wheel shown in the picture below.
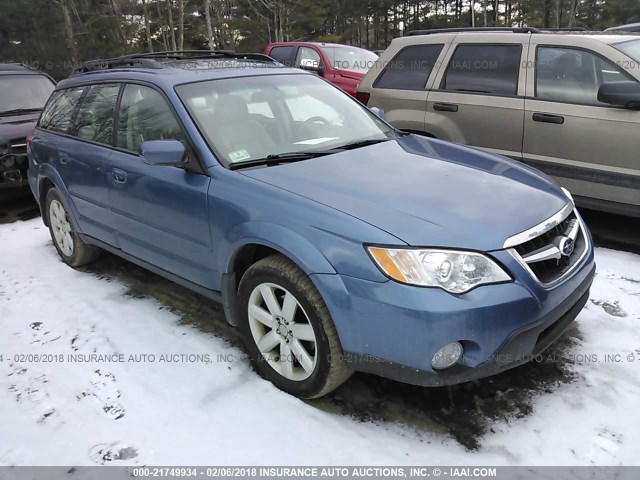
(288, 331)
(73, 251)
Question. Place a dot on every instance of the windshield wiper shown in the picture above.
(366, 143)
(290, 157)
(279, 158)
(17, 111)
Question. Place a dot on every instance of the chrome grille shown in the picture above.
(555, 249)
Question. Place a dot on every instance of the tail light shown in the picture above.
(363, 97)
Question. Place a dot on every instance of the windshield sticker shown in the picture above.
(239, 156)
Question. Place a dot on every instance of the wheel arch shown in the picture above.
(48, 178)
(260, 241)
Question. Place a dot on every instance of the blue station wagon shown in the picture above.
(335, 242)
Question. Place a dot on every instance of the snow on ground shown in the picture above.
(143, 411)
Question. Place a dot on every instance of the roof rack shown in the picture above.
(150, 60)
(495, 29)
(472, 29)
(569, 29)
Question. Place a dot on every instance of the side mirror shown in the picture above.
(167, 153)
(378, 112)
(319, 69)
(620, 94)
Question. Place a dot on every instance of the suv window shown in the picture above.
(95, 117)
(490, 69)
(410, 68)
(58, 114)
(308, 57)
(284, 55)
(573, 76)
(145, 115)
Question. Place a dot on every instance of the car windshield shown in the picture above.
(253, 118)
(24, 92)
(350, 58)
(631, 48)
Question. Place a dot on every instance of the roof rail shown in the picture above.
(150, 60)
(476, 29)
(569, 29)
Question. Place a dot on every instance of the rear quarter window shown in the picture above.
(410, 68)
(59, 112)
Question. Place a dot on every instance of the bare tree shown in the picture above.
(147, 24)
(68, 29)
(172, 31)
(207, 15)
(180, 24)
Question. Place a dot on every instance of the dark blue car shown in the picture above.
(335, 242)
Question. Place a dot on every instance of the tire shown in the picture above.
(73, 251)
(281, 357)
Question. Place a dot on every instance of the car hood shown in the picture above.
(16, 126)
(426, 192)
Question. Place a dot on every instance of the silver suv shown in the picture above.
(565, 103)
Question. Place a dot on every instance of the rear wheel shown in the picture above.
(73, 251)
(288, 331)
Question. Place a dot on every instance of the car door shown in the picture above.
(79, 164)
(87, 167)
(590, 147)
(479, 98)
(161, 212)
(401, 89)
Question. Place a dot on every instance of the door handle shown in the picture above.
(445, 107)
(119, 176)
(64, 158)
(548, 118)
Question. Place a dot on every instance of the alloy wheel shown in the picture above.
(61, 227)
(282, 332)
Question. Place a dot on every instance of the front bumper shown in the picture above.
(393, 330)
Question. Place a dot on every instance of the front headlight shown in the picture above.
(453, 271)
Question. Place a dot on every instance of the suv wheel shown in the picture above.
(73, 251)
(288, 330)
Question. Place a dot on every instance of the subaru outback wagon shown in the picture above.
(335, 242)
(565, 103)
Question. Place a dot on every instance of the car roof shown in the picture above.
(318, 44)
(18, 69)
(629, 27)
(171, 73)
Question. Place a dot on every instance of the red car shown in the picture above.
(343, 65)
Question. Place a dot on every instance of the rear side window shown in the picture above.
(58, 114)
(95, 117)
(285, 55)
(410, 69)
(145, 115)
(489, 69)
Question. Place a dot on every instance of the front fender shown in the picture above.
(291, 244)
